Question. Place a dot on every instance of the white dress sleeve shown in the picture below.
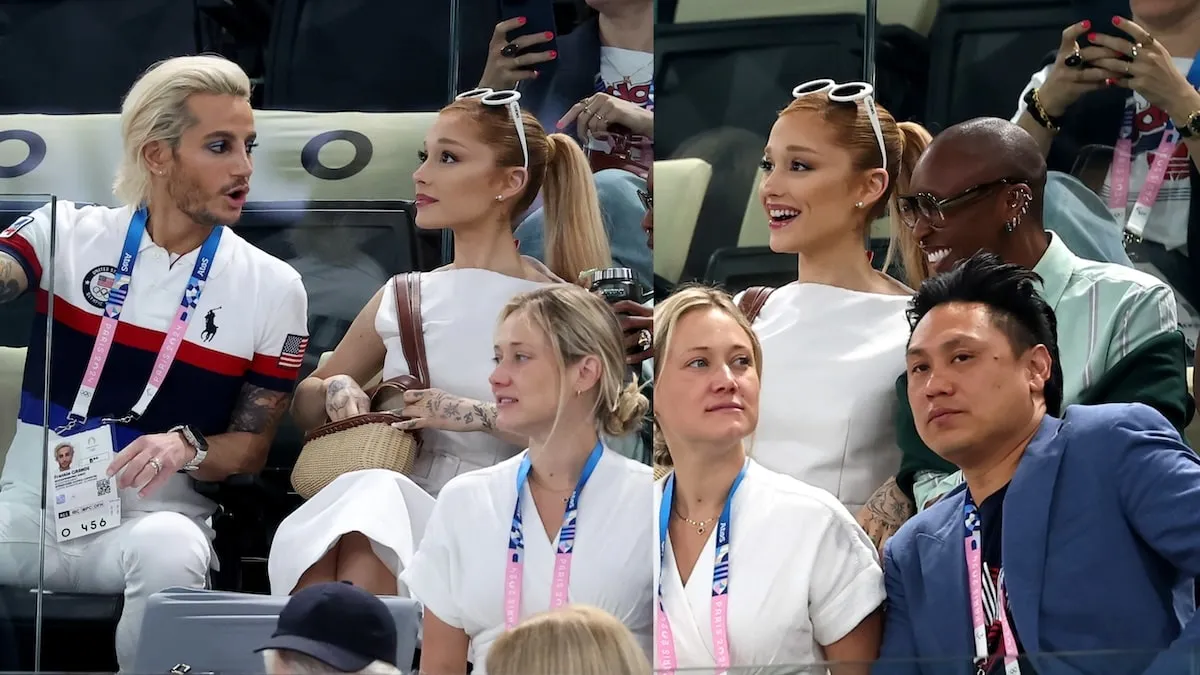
(432, 576)
(846, 583)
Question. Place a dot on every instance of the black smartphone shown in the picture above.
(539, 15)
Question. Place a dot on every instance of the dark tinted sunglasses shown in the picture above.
(913, 208)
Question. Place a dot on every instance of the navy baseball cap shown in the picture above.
(338, 624)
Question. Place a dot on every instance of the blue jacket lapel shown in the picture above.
(944, 572)
(1026, 523)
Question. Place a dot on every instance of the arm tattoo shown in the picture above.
(13, 280)
(889, 506)
(258, 409)
(465, 411)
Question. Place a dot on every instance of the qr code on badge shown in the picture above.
(103, 487)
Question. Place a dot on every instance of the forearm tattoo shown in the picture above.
(466, 412)
(258, 409)
(12, 279)
(889, 507)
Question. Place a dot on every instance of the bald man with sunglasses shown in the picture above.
(980, 186)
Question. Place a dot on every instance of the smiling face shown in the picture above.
(707, 390)
(458, 180)
(967, 387)
(973, 222)
(208, 173)
(810, 186)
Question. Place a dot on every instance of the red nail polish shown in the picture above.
(549, 35)
(1091, 37)
(535, 73)
(1086, 24)
(1116, 21)
(521, 20)
(1110, 82)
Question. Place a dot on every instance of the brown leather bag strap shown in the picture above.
(753, 300)
(412, 329)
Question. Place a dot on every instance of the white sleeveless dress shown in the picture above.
(459, 310)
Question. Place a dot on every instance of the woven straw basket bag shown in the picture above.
(369, 441)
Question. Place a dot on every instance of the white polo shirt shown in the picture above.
(249, 328)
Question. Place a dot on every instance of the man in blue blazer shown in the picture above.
(1083, 529)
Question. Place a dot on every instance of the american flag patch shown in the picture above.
(293, 351)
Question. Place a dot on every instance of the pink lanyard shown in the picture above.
(719, 609)
(514, 569)
(1119, 172)
(117, 296)
(975, 589)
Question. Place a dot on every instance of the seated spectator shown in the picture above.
(333, 628)
(472, 181)
(980, 186)
(575, 639)
(833, 162)
(810, 595)
(600, 76)
(1135, 86)
(205, 407)
(569, 511)
(1056, 498)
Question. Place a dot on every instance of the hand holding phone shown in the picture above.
(513, 58)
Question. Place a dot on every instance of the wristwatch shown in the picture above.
(1190, 128)
(194, 438)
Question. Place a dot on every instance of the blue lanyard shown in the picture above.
(720, 580)
(514, 567)
(112, 314)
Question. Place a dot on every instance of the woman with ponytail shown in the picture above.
(833, 342)
(483, 164)
(564, 522)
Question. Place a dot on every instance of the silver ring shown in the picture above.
(1133, 53)
(157, 464)
(644, 338)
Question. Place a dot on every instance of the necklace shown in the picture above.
(700, 525)
(547, 488)
(627, 79)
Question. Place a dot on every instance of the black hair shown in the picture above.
(1016, 308)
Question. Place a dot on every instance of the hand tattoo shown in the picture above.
(12, 279)
(258, 409)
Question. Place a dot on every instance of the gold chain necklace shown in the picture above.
(700, 525)
(551, 490)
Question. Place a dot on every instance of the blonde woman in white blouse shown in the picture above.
(566, 521)
(756, 568)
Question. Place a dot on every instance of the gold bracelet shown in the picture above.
(1041, 116)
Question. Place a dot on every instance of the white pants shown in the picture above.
(146, 553)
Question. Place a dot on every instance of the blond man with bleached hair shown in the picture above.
(156, 110)
(188, 133)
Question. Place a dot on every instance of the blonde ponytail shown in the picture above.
(627, 412)
(915, 139)
(574, 231)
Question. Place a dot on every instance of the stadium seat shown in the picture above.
(916, 14)
(680, 185)
(338, 55)
(735, 269)
(182, 626)
(983, 52)
(68, 66)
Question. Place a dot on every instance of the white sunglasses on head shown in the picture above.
(504, 97)
(848, 92)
